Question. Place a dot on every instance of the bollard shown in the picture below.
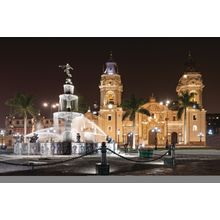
(103, 167)
(170, 159)
(173, 154)
(169, 150)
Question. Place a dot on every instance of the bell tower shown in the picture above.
(111, 88)
(192, 82)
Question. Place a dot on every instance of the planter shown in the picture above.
(146, 153)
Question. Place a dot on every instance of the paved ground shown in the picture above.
(188, 162)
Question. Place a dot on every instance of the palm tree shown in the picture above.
(131, 107)
(185, 100)
(22, 105)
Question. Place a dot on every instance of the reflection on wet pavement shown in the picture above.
(119, 167)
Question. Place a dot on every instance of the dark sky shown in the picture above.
(146, 65)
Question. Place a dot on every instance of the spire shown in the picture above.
(190, 64)
(189, 54)
(110, 56)
(152, 98)
(110, 66)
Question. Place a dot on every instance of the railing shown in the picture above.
(102, 168)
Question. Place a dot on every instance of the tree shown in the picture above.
(22, 105)
(185, 100)
(131, 107)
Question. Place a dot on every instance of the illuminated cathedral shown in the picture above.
(163, 123)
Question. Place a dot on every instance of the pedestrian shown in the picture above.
(167, 144)
(126, 147)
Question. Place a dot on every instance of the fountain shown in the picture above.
(72, 132)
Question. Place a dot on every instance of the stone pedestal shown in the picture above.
(102, 169)
(67, 148)
(169, 161)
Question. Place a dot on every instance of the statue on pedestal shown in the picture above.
(67, 69)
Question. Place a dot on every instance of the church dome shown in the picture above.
(110, 66)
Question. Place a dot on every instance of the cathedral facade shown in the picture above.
(163, 125)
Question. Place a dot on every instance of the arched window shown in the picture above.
(194, 95)
(110, 97)
(194, 127)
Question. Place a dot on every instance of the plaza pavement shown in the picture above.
(119, 166)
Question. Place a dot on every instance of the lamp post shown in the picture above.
(51, 106)
(2, 134)
(167, 119)
(200, 135)
(156, 130)
(129, 139)
(167, 102)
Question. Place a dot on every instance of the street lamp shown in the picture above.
(200, 135)
(45, 104)
(2, 134)
(52, 106)
(129, 138)
(166, 103)
(156, 130)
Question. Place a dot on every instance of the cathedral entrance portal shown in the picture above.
(174, 138)
(151, 137)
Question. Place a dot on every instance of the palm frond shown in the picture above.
(21, 105)
(133, 105)
(132, 116)
(144, 111)
(125, 115)
(180, 112)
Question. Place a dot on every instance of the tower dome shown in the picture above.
(191, 81)
(110, 66)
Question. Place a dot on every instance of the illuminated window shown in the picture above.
(110, 97)
(194, 127)
(194, 96)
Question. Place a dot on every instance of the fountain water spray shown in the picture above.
(72, 132)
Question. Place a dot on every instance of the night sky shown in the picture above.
(146, 66)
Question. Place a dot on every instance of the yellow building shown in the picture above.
(163, 124)
(111, 113)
